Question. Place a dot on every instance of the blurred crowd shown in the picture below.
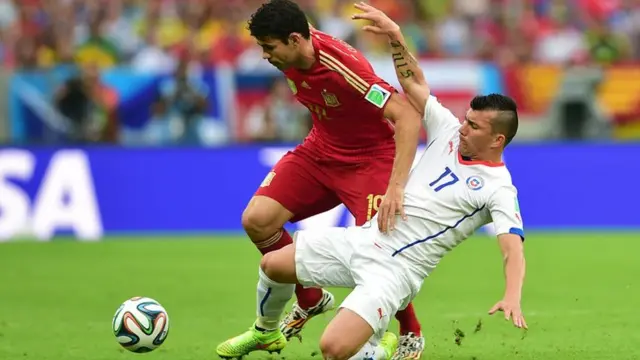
(154, 34)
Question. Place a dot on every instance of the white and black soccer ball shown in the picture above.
(141, 324)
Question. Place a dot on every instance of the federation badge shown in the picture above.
(475, 182)
(331, 100)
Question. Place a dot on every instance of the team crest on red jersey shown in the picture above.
(330, 99)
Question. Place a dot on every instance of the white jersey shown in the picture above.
(452, 197)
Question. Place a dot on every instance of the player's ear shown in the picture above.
(499, 141)
(295, 38)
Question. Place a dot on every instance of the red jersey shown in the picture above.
(346, 99)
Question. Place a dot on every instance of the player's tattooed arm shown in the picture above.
(401, 59)
(408, 71)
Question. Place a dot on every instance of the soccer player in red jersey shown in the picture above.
(359, 153)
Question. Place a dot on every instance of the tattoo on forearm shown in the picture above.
(400, 58)
(407, 74)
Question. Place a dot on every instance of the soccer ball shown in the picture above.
(141, 324)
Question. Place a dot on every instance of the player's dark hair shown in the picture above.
(278, 19)
(506, 123)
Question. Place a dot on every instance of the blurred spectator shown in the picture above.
(626, 21)
(454, 33)
(97, 48)
(179, 112)
(576, 113)
(120, 19)
(280, 118)
(89, 106)
(153, 57)
(7, 14)
(333, 21)
(558, 39)
(605, 45)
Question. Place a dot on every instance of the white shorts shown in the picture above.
(352, 258)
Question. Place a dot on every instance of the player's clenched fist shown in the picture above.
(391, 206)
(511, 311)
(381, 23)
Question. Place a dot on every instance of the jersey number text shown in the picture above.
(373, 204)
(447, 178)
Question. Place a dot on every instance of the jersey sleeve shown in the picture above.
(505, 212)
(360, 78)
(437, 118)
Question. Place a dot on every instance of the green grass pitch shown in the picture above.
(57, 299)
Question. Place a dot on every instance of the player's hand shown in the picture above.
(381, 23)
(390, 206)
(511, 311)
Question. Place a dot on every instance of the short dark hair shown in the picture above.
(506, 123)
(278, 19)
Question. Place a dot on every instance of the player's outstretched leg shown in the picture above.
(411, 344)
(272, 297)
(263, 221)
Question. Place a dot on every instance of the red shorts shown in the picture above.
(307, 187)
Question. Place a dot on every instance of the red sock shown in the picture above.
(275, 242)
(408, 321)
(308, 297)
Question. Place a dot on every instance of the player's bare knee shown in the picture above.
(336, 348)
(272, 266)
(258, 224)
(266, 264)
(277, 267)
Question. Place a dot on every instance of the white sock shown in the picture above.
(370, 352)
(272, 298)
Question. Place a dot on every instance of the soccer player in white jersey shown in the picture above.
(459, 185)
